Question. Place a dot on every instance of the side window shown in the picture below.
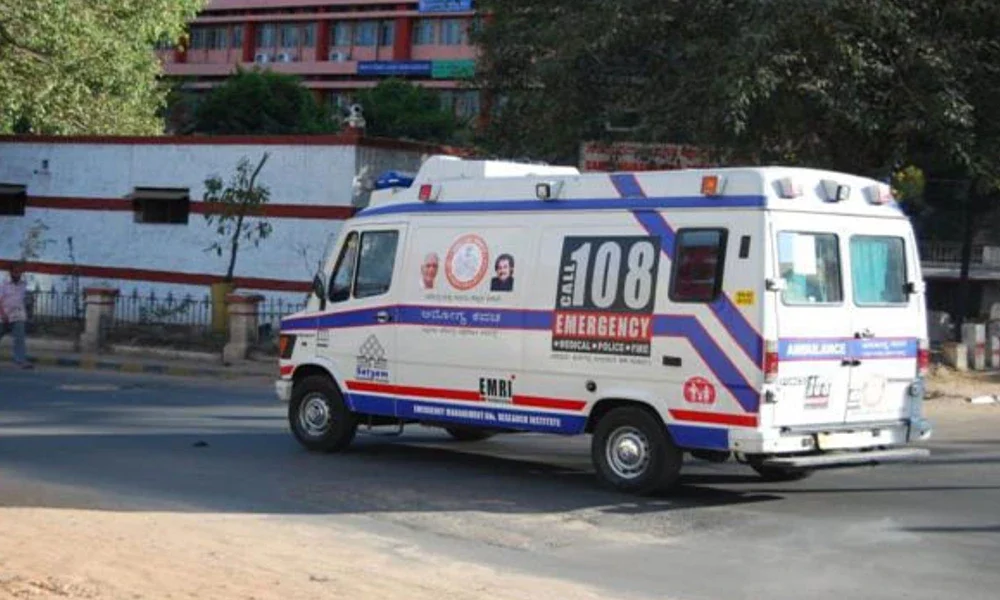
(378, 257)
(878, 270)
(343, 272)
(699, 257)
(810, 266)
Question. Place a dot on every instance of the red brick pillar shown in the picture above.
(403, 41)
(249, 40)
(181, 49)
(323, 40)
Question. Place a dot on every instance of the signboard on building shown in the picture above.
(453, 69)
(444, 5)
(637, 156)
(394, 67)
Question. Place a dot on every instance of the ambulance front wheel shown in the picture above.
(319, 417)
(632, 452)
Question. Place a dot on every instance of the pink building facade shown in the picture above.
(338, 47)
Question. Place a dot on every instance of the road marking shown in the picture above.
(90, 387)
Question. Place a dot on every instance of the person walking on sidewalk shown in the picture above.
(14, 314)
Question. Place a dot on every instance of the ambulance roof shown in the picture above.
(448, 184)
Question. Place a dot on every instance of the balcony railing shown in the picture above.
(950, 254)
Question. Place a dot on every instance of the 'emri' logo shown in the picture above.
(496, 390)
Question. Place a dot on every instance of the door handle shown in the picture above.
(867, 333)
(850, 362)
(383, 316)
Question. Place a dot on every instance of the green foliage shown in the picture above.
(85, 66)
(397, 109)
(261, 102)
(237, 210)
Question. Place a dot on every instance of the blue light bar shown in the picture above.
(393, 179)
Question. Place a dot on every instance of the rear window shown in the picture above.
(878, 270)
(698, 262)
(810, 266)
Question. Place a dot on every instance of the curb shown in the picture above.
(144, 368)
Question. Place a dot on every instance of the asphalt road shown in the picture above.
(524, 503)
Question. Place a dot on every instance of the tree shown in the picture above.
(398, 109)
(261, 102)
(85, 66)
(236, 211)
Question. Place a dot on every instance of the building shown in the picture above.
(338, 47)
(127, 212)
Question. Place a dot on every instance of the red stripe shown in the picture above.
(714, 418)
(418, 392)
(549, 403)
(252, 283)
(278, 211)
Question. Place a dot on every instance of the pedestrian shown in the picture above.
(14, 314)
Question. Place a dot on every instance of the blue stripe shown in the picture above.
(693, 436)
(563, 205)
(717, 360)
(840, 348)
(655, 225)
(627, 185)
(467, 414)
(480, 318)
(352, 318)
(737, 324)
(728, 314)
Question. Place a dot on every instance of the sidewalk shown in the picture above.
(126, 359)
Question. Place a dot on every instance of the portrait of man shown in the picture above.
(429, 271)
(503, 281)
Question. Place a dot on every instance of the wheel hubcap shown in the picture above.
(314, 415)
(627, 452)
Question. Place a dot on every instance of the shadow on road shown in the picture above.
(270, 473)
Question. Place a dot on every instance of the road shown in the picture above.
(520, 513)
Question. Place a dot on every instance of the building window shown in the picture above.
(309, 35)
(289, 35)
(197, 38)
(467, 104)
(265, 36)
(237, 37)
(218, 38)
(387, 33)
(13, 200)
(161, 205)
(339, 102)
(453, 32)
(342, 34)
(425, 32)
(697, 276)
(365, 33)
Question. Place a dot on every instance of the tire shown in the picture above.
(319, 417)
(468, 434)
(712, 456)
(778, 474)
(633, 453)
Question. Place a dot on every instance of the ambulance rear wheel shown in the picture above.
(633, 453)
(319, 417)
(468, 434)
(776, 474)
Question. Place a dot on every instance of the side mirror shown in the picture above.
(320, 290)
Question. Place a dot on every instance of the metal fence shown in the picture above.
(134, 309)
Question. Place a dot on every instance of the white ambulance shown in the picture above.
(774, 315)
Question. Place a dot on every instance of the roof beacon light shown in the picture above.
(834, 192)
(711, 185)
(788, 188)
(428, 193)
(548, 190)
(879, 194)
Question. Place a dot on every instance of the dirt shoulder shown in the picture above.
(73, 553)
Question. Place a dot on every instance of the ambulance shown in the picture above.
(773, 316)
